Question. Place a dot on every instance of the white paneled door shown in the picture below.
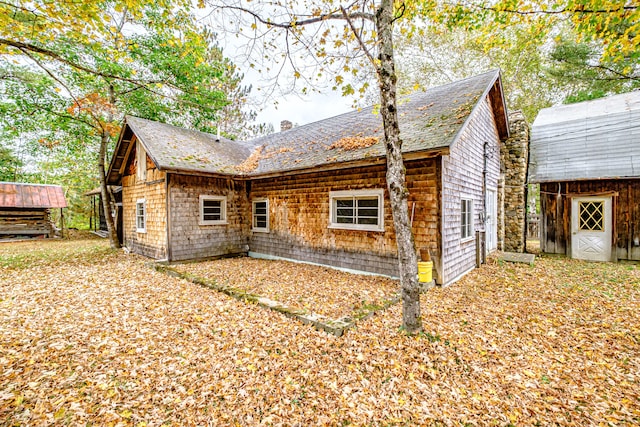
(591, 228)
(491, 221)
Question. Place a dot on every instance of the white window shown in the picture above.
(141, 216)
(466, 219)
(213, 210)
(357, 210)
(260, 215)
(141, 162)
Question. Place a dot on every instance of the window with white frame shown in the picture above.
(261, 215)
(357, 210)
(213, 210)
(141, 216)
(466, 219)
(141, 162)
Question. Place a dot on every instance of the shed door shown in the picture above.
(591, 228)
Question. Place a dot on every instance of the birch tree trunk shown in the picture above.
(398, 194)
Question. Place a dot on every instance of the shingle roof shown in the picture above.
(597, 139)
(175, 148)
(18, 195)
(429, 120)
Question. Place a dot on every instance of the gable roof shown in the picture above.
(430, 120)
(597, 139)
(18, 195)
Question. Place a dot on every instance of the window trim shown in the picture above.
(254, 216)
(223, 210)
(143, 216)
(141, 162)
(468, 226)
(355, 194)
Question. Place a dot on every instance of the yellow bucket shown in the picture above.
(425, 271)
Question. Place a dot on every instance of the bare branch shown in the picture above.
(289, 25)
(562, 11)
(363, 46)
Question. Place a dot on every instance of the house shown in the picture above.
(317, 193)
(25, 209)
(586, 158)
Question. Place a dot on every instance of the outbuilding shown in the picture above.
(25, 209)
(586, 158)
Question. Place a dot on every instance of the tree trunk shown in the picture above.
(407, 258)
(104, 192)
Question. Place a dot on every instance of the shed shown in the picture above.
(25, 209)
(586, 158)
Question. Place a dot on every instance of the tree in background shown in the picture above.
(69, 82)
(588, 46)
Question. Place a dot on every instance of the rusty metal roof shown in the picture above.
(18, 195)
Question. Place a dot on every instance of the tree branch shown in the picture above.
(289, 25)
(560, 11)
(347, 18)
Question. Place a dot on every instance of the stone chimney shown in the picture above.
(514, 155)
(285, 125)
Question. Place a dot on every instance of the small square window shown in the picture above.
(213, 210)
(466, 219)
(260, 215)
(141, 218)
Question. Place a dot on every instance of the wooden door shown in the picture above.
(591, 228)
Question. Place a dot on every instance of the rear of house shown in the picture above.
(586, 158)
(317, 193)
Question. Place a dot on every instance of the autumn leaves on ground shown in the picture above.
(91, 336)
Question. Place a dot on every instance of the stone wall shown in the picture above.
(514, 155)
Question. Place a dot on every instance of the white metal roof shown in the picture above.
(597, 139)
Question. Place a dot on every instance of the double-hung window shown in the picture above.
(466, 219)
(213, 210)
(141, 216)
(357, 210)
(260, 215)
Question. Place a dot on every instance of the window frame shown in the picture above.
(223, 210)
(141, 162)
(254, 216)
(334, 196)
(466, 219)
(142, 229)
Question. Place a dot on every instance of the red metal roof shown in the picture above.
(16, 195)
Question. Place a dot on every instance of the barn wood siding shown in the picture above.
(556, 214)
(25, 221)
(299, 218)
(153, 243)
(189, 240)
(462, 178)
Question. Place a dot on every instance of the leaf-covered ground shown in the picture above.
(313, 289)
(89, 336)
